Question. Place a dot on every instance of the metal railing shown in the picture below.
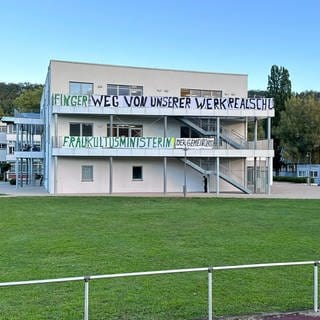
(209, 270)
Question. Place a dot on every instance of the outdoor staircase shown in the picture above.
(222, 175)
(231, 137)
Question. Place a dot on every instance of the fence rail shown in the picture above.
(210, 271)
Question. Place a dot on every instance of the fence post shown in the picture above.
(210, 270)
(315, 286)
(86, 298)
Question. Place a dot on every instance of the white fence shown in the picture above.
(209, 270)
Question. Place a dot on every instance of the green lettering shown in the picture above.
(131, 142)
(160, 142)
(74, 100)
(85, 100)
(115, 142)
(65, 140)
(123, 142)
(96, 142)
(154, 142)
(142, 142)
(78, 142)
(83, 142)
(169, 142)
(66, 100)
(72, 140)
(88, 142)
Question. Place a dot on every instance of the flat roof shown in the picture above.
(147, 68)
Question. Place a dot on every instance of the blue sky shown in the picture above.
(232, 36)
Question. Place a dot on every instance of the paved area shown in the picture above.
(281, 190)
(29, 190)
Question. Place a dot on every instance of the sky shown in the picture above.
(228, 36)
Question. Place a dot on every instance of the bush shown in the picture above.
(12, 181)
(292, 179)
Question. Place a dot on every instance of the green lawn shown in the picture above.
(52, 237)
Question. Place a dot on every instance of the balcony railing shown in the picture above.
(164, 143)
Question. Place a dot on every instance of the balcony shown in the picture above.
(29, 151)
(154, 147)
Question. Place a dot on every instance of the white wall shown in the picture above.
(155, 82)
(152, 126)
(69, 175)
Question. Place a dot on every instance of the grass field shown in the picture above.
(52, 237)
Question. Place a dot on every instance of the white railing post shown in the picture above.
(210, 269)
(315, 287)
(86, 298)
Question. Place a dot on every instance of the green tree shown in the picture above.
(299, 128)
(4, 167)
(257, 93)
(29, 100)
(8, 92)
(279, 88)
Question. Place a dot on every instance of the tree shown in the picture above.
(29, 100)
(299, 128)
(279, 88)
(4, 167)
(257, 93)
(9, 92)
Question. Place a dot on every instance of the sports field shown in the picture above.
(53, 237)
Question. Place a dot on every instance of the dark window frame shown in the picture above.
(137, 173)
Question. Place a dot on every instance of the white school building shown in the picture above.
(114, 129)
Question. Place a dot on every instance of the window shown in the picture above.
(125, 130)
(186, 132)
(12, 128)
(3, 146)
(314, 174)
(80, 88)
(12, 167)
(81, 129)
(184, 92)
(87, 173)
(3, 129)
(302, 174)
(137, 173)
(124, 90)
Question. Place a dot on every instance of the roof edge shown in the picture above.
(147, 68)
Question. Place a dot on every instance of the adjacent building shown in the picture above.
(23, 147)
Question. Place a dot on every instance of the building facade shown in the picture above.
(3, 141)
(114, 129)
(311, 171)
(23, 147)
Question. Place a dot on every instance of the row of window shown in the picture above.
(118, 130)
(122, 130)
(12, 128)
(84, 88)
(184, 92)
(313, 174)
(87, 173)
